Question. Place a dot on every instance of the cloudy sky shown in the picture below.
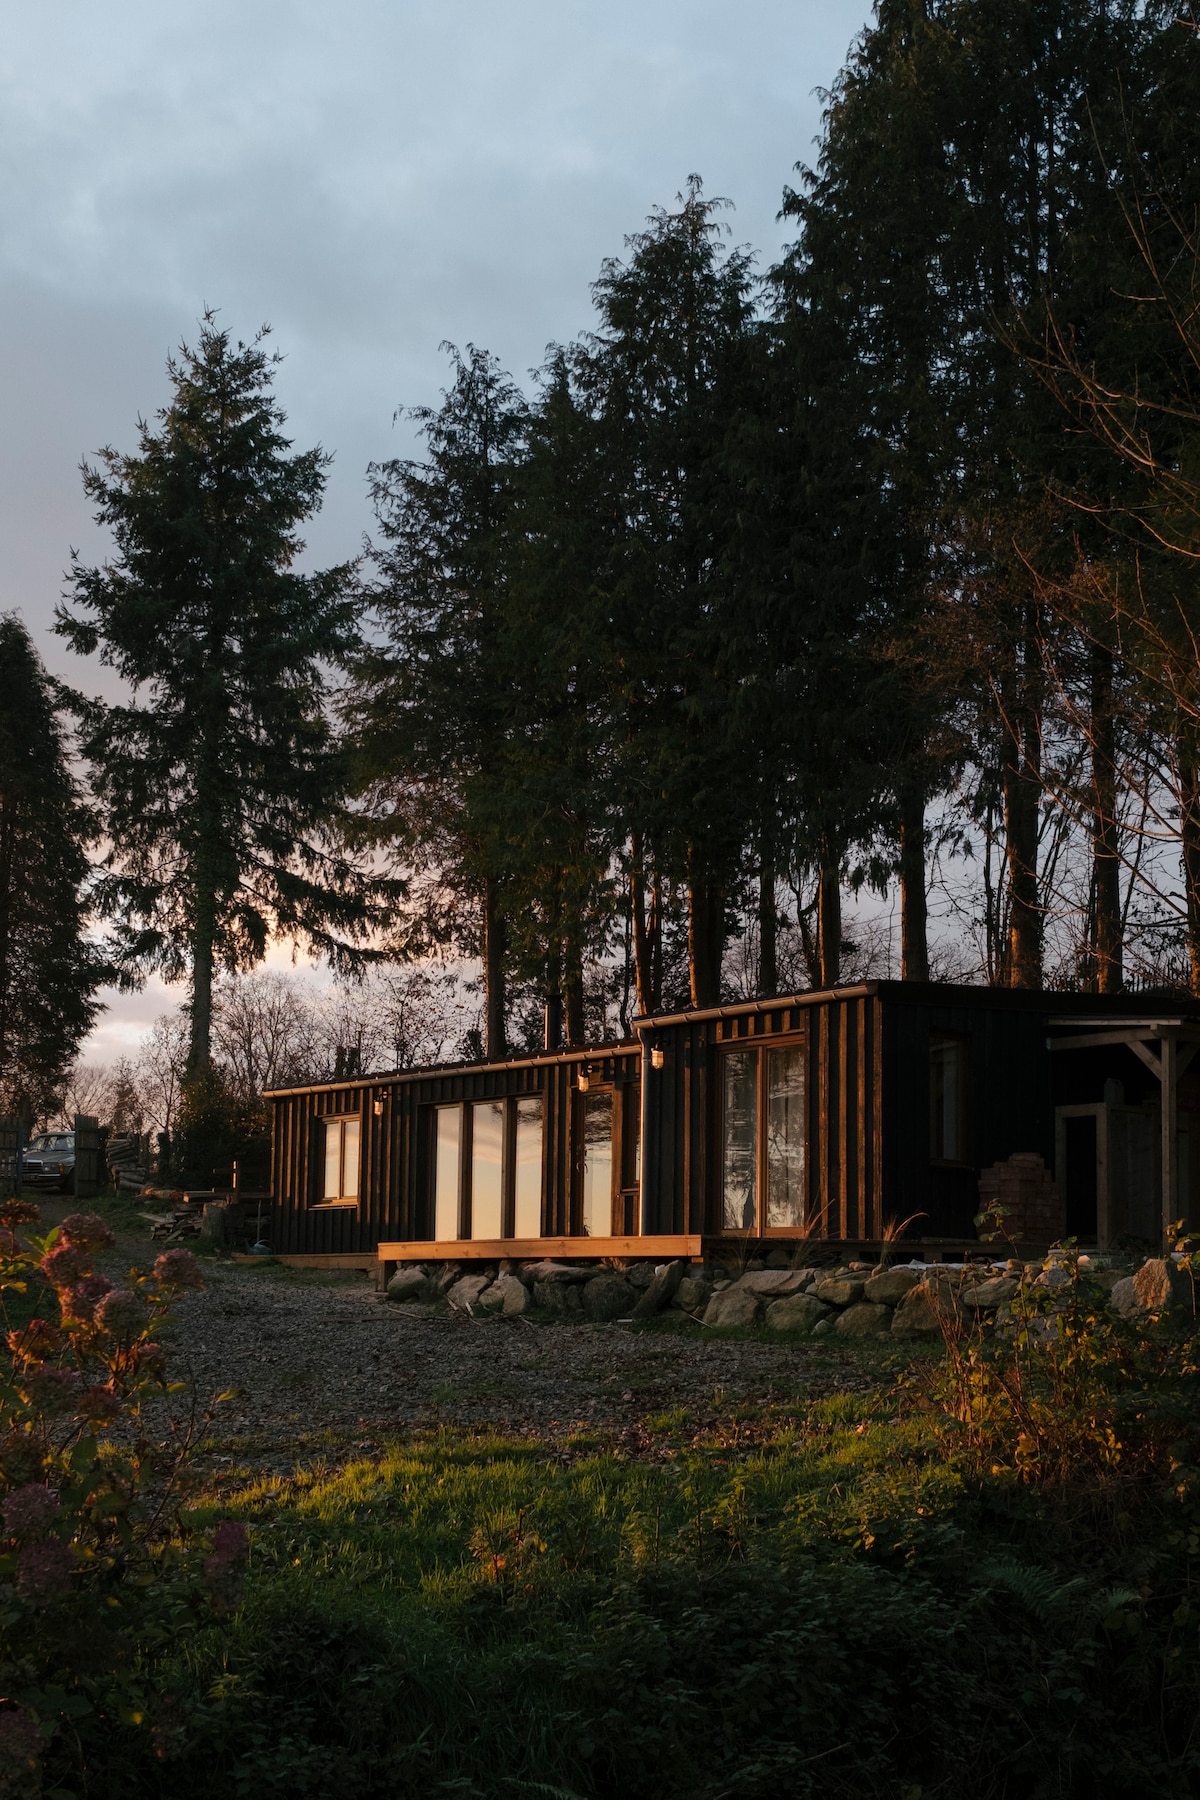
(370, 177)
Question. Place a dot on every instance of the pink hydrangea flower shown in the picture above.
(85, 1231)
(36, 1341)
(29, 1510)
(44, 1569)
(66, 1265)
(19, 1212)
(120, 1312)
(178, 1269)
(50, 1389)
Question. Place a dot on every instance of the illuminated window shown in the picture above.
(341, 1159)
(947, 1100)
(487, 1169)
(447, 1172)
(597, 1191)
(528, 1173)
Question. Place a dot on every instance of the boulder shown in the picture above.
(887, 1287)
(640, 1274)
(563, 1297)
(410, 1283)
(863, 1320)
(609, 1296)
(779, 1258)
(1163, 1285)
(797, 1314)
(467, 1289)
(1124, 1296)
(839, 1290)
(446, 1277)
(1054, 1277)
(998, 1290)
(734, 1306)
(775, 1282)
(918, 1314)
(661, 1292)
(552, 1271)
(693, 1293)
(506, 1295)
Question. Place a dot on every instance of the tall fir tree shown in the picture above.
(49, 967)
(222, 789)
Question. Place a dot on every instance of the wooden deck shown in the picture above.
(558, 1249)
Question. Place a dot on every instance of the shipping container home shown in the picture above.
(835, 1116)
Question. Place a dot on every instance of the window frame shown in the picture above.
(938, 1039)
(761, 1045)
(329, 1202)
(508, 1164)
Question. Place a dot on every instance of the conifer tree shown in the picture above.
(220, 779)
(49, 968)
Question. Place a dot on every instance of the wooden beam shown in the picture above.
(527, 1249)
(1129, 1035)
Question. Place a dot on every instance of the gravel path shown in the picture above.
(308, 1355)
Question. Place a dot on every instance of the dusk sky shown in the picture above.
(370, 178)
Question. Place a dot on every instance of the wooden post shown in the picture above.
(10, 1145)
(87, 1156)
(1168, 1059)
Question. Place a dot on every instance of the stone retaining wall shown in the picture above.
(852, 1300)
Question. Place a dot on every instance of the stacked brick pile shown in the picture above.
(1024, 1187)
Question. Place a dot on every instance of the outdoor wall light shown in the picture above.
(379, 1109)
(584, 1081)
(658, 1057)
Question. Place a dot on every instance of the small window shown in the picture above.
(341, 1159)
(947, 1100)
(739, 1209)
(597, 1164)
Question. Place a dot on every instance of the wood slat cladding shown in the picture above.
(395, 1173)
(865, 1052)
(839, 1034)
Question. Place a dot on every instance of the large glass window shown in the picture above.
(764, 1139)
(739, 1162)
(597, 1164)
(947, 1099)
(341, 1159)
(527, 1207)
(447, 1172)
(487, 1169)
(785, 1137)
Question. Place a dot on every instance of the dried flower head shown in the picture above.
(80, 1301)
(65, 1265)
(49, 1389)
(20, 1752)
(151, 1361)
(36, 1341)
(86, 1232)
(98, 1405)
(121, 1313)
(44, 1569)
(18, 1212)
(178, 1269)
(29, 1510)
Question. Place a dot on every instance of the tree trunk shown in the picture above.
(1188, 766)
(647, 963)
(1107, 947)
(768, 918)
(829, 916)
(204, 932)
(914, 905)
(1021, 778)
(573, 993)
(706, 935)
(494, 945)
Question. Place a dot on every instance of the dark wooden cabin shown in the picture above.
(838, 1116)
